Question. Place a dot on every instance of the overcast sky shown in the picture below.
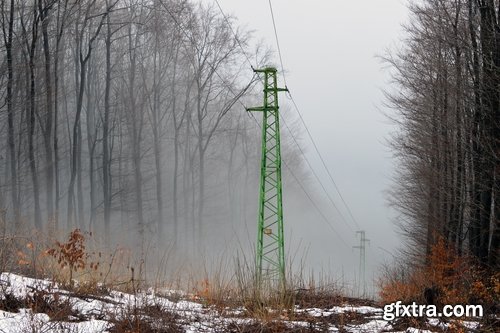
(329, 50)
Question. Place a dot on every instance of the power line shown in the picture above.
(239, 44)
(277, 43)
(362, 261)
(304, 123)
(234, 33)
(316, 175)
(314, 204)
(323, 162)
(214, 69)
(242, 50)
(302, 187)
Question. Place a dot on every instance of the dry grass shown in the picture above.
(147, 319)
(269, 307)
(10, 303)
(75, 262)
(269, 327)
(268, 301)
(40, 301)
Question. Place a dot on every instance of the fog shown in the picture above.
(127, 119)
(329, 51)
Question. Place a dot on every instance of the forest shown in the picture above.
(124, 122)
(449, 119)
(126, 118)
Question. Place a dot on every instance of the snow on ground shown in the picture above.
(102, 313)
(27, 321)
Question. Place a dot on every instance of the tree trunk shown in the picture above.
(91, 144)
(10, 118)
(490, 97)
(106, 159)
(47, 132)
(156, 127)
(494, 251)
(76, 145)
(136, 119)
(79, 177)
(81, 61)
(32, 122)
(176, 150)
(476, 153)
(55, 142)
(187, 185)
(201, 165)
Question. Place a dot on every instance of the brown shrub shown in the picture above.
(448, 277)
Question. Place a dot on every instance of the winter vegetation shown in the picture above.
(446, 106)
(43, 306)
(125, 119)
(94, 304)
(125, 152)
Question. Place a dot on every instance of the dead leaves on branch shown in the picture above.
(72, 254)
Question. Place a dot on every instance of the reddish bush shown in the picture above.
(446, 278)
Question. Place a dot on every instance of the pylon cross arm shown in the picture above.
(257, 108)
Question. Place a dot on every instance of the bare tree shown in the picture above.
(84, 46)
(8, 33)
(31, 39)
(448, 116)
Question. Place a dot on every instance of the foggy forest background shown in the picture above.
(126, 118)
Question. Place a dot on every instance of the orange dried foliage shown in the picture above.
(399, 290)
(72, 253)
(449, 272)
(203, 291)
(455, 277)
(22, 259)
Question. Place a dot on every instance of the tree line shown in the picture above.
(125, 114)
(446, 101)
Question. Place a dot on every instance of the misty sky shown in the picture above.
(329, 50)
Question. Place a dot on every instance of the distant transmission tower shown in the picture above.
(362, 261)
(270, 242)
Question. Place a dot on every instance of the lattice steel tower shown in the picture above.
(362, 262)
(270, 242)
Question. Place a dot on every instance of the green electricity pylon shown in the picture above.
(270, 242)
